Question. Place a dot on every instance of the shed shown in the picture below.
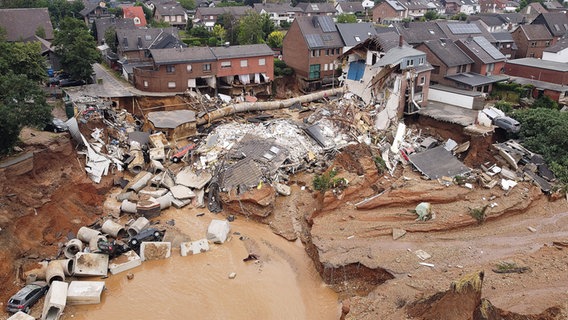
(176, 124)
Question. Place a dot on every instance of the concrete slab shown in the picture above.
(124, 262)
(91, 264)
(191, 179)
(194, 247)
(218, 231)
(155, 250)
(55, 301)
(85, 292)
(21, 316)
(182, 192)
(438, 162)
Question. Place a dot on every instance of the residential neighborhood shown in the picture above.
(386, 159)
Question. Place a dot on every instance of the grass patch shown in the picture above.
(509, 267)
(479, 214)
(328, 181)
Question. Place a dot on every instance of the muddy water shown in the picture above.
(283, 284)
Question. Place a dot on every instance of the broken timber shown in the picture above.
(269, 105)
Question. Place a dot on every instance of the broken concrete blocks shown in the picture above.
(124, 262)
(91, 264)
(194, 247)
(155, 250)
(21, 316)
(55, 301)
(137, 226)
(218, 231)
(85, 292)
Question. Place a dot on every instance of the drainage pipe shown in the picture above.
(137, 226)
(72, 247)
(114, 229)
(85, 234)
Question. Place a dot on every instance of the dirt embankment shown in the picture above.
(39, 208)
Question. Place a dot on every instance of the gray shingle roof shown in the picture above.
(482, 49)
(102, 25)
(275, 7)
(395, 55)
(170, 9)
(252, 50)
(177, 55)
(448, 52)
(559, 46)
(321, 7)
(237, 11)
(556, 22)
(538, 63)
(314, 31)
(23, 23)
(417, 32)
(472, 79)
(354, 33)
(151, 38)
(351, 7)
(535, 32)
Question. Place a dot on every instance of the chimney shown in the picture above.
(400, 41)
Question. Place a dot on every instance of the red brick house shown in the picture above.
(233, 70)
(389, 11)
(244, 69)
(549, 78)
(531, 40)
(447, 59)
(310, 48)
(177, 70)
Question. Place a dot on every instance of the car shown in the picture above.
(56, 79)
(71, 82)
(112, 248)
(24, 299)
(56, 125)
(507, 123)
(146, 235)
(182, 152)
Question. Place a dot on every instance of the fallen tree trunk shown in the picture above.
(268, 105)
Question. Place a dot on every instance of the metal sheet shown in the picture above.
(438, 162)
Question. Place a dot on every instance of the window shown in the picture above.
(547, 43)
(533, 44)
(490, 67)
(422, 80)
(409, 63)
(315, 53)
(314, 71)
(357, 38)
(207, 67)
(145, 84)
(337, 51)
(262, 62)
(420, 61)
(325, 67)
(244, 63)
(171, 84)
(170, 69)
(225, 64)
(189, 68)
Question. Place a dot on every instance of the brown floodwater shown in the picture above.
(283, 284)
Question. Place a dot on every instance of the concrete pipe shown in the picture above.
(128, 206)
(165, 201)
(114, 229)
(140, 181)
(94, 243)
(156, 166)
(137, 164)
(38, 271)
(72, 247)
(68, 266)
(86, 234)
(137, 226)
(54, 272)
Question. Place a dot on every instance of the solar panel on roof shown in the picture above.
(326, 23)
(314, 40)
(489, 48)
(463, 28)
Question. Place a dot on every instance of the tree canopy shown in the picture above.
(346, 18)
(76, 48)
(22, 101)
(253, 28)
(275, 39)
(187, 4)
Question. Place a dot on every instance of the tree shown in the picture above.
(459, 16)
(545, 131)
(23, 58)
(219, 33)
(229, 22)
(76, 48)
(431, 15)
(274, 39)
(267, 25)
(346, 18)
(187, 4)
(148, 14)
(250, 29)
(200, 32)
(60, 9)
(159, 24)
(110, 38)
(188, 25)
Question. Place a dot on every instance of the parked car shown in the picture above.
(71, 83)
(55, 80)
(182, 152)
(146, 235)
(56, 125)
(24, 299)
(507, 123)
(112, 248)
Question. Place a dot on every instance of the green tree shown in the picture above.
(545, 131)
(159, 24)
(40, 32)
(431, 15)
(219, 33)
(200, 32)
(110, 38)
(267, 25)
(460, 17)
(148, 14)
(274, 39)
(188, 25)
(187, 4)
(230, 24)
(76, 48)
(23, 58)
(250, 29)
(346, 18)
(60, 9)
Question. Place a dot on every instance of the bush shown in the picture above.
(479, 214)
(504, 106)
(328, 181)
(380, 164)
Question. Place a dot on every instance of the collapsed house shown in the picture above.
(388, 74)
